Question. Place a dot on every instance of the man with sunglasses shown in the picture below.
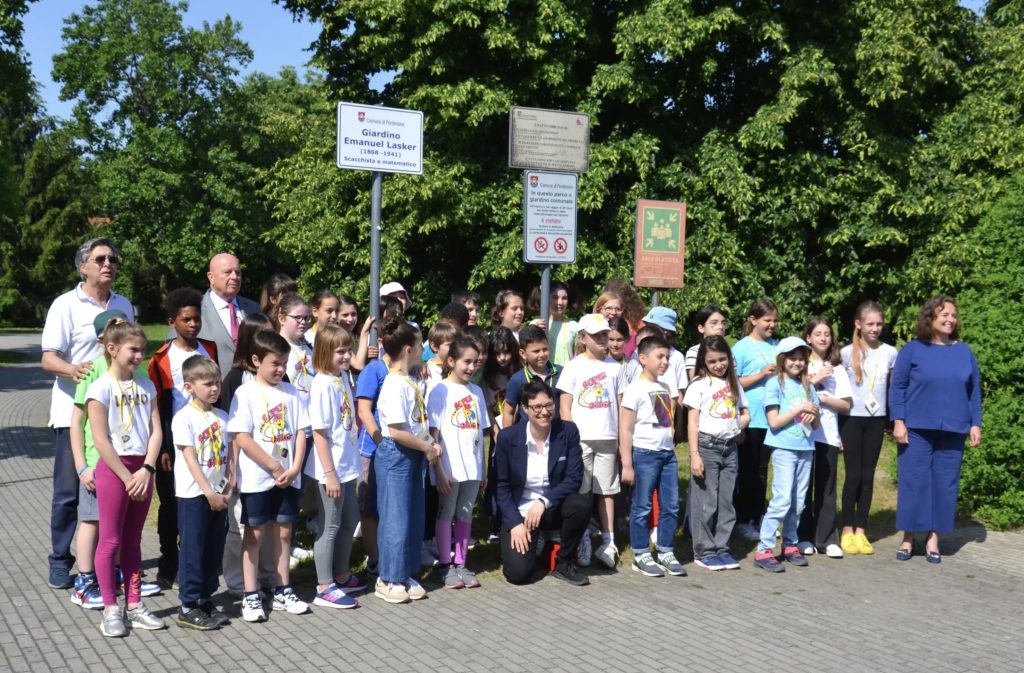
(539, 468)
(223, 308)
(69, 346)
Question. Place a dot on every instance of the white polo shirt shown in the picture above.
(69, 332)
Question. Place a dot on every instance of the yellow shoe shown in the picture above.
(848, 543)
(863, 544)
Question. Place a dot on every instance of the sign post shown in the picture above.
(660, 249)
(381, 140)
(557, 141)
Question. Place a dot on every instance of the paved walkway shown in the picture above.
(857, 614)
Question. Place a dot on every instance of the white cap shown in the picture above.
(593, 323)
(394, 288)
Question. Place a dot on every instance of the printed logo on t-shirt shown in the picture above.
(274, 425)
(209, 443)
(722, 404)
(595, 394)
(464, 414)
(347, 419)
(791, 395)
(662, 403)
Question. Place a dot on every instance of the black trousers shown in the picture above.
(64, 504)
(752, 477)
(818, 520)
(571, 518)
(862, 444)
(167, 523)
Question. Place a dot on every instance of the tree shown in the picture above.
(17, 107)
(150, 99)
(789, 130)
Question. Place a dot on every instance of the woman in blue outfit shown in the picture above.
(935, 402)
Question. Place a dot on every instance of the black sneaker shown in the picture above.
(569, 573)
(197, 619)
(218, 616)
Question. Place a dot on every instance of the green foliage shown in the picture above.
(992, 484)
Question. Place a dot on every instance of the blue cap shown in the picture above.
(790, 344)
(663, 317)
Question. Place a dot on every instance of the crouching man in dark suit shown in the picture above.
(539, 468)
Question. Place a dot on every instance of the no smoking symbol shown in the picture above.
(540, 244)
(561, 245)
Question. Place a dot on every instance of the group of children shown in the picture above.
(393, 437)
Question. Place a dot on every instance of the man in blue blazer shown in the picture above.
(539, 468)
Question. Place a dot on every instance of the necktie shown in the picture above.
(234, 322)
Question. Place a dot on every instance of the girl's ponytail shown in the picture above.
(859, 353)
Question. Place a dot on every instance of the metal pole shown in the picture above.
(375, 199)
(545, 294)
(654, 298)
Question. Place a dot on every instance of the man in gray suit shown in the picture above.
(223, 309)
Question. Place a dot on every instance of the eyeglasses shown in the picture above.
(539, 408)
(299, 318)
(103, 259)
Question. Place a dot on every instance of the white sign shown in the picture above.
(549, 214)
(385, 139)
(550, 140)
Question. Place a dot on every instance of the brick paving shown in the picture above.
(857, 614)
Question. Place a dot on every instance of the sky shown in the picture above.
(274, 37)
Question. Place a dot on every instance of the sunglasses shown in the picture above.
(103, 259)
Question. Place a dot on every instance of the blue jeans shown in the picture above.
(791, 474)
(654, 469)
(401, 501)
(202, 533)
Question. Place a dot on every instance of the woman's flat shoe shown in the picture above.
(904, 554)
(934, 557)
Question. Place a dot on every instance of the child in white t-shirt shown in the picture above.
(649, 460)
(334, 468)
(718, 415)
(269, 421)
(458, 418)
(126, 430)
(398, 462)
(201, 482)
(590, 388)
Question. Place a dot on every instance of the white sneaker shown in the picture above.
(427, 560)
(415, 590)
(834, 551)
(585, 550)
(252, 608)
(290, 603)
(608, 555)
(391, 592)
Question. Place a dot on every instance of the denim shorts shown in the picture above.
(278, 505)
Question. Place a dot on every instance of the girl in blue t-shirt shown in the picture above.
(791, 408)
(754, 356)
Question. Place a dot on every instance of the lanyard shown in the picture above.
(874, 369)
(216, 433)
(662, 398)
(301, 371)
(419, 394)
(273, 424)
(346, 404)
(126, 404)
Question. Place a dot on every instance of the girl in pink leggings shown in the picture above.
(126, 430)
